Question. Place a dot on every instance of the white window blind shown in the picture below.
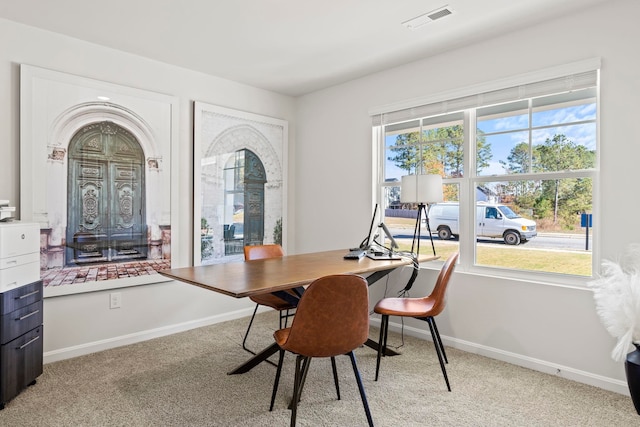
(440, 104)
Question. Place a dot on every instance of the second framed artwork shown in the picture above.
(240, 175)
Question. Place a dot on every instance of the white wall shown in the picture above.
(82, 323)
(541, 326)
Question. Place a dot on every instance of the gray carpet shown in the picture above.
(181, 380)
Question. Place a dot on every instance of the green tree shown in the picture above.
(406, 151)
(518, 160)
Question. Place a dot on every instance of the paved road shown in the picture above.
(555, 241)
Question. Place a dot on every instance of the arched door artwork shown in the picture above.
(245, 177)
(105, 202)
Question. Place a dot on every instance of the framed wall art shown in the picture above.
(95, 173)
(240, 171)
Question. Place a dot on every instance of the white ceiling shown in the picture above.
(291, 47)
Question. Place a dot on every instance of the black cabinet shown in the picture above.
(21, 337)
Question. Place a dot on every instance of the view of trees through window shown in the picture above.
(528, 166)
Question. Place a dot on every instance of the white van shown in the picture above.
(493, 220)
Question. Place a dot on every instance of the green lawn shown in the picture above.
(519, 257)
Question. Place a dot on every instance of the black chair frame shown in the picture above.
(435, 335)
(302, 368)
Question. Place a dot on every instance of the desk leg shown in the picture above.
(256, 360)
(374, 345)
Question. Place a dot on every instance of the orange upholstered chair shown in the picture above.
(332, 319)
(426, 309)
(284, 308)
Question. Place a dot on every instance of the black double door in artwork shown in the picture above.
(254, 181)
(106, 220)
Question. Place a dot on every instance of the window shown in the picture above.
(518, 165)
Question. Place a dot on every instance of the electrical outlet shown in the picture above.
(115, 300)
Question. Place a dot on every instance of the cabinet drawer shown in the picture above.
(20, 363)
(18, 260)
(20, 297)
(20, 321)
(17, 276)
(19, 239)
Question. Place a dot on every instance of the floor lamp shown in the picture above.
(420, 189)
(423, 190)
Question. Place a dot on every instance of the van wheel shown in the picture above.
(444, 233)
(512, 238)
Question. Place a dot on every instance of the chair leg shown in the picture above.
(435, 328)
(363, 395)
(277, 380)
(298, 383)
(306, 362)
(335, 375)
(246, 334)
(305, 370)
(382, 341)
(438, 351)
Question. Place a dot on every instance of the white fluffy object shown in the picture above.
(617, 296)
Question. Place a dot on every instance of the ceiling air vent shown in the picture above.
(419, 21)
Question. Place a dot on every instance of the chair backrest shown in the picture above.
(440, 289)
(332, 317)
(262, 252)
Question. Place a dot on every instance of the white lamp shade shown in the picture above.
(421, 189)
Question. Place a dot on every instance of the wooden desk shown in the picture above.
(243, 279)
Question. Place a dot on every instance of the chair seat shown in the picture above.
(272, 301)
(281, 336)
(407, 307)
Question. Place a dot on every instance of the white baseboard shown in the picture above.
(577, 375)
(95, 346)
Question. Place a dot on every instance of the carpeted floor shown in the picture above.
(181, 380)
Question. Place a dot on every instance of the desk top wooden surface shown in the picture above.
(242, 279)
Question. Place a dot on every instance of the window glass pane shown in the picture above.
(503, 153)
(535, 225)
(402, 147)
(442, 151)
(399, 218)
(444, 223)
(503, 117)
(564, 148)
(391, 198)
(564, 108)
(451, 192)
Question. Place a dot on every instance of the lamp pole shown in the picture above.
(417, 231)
